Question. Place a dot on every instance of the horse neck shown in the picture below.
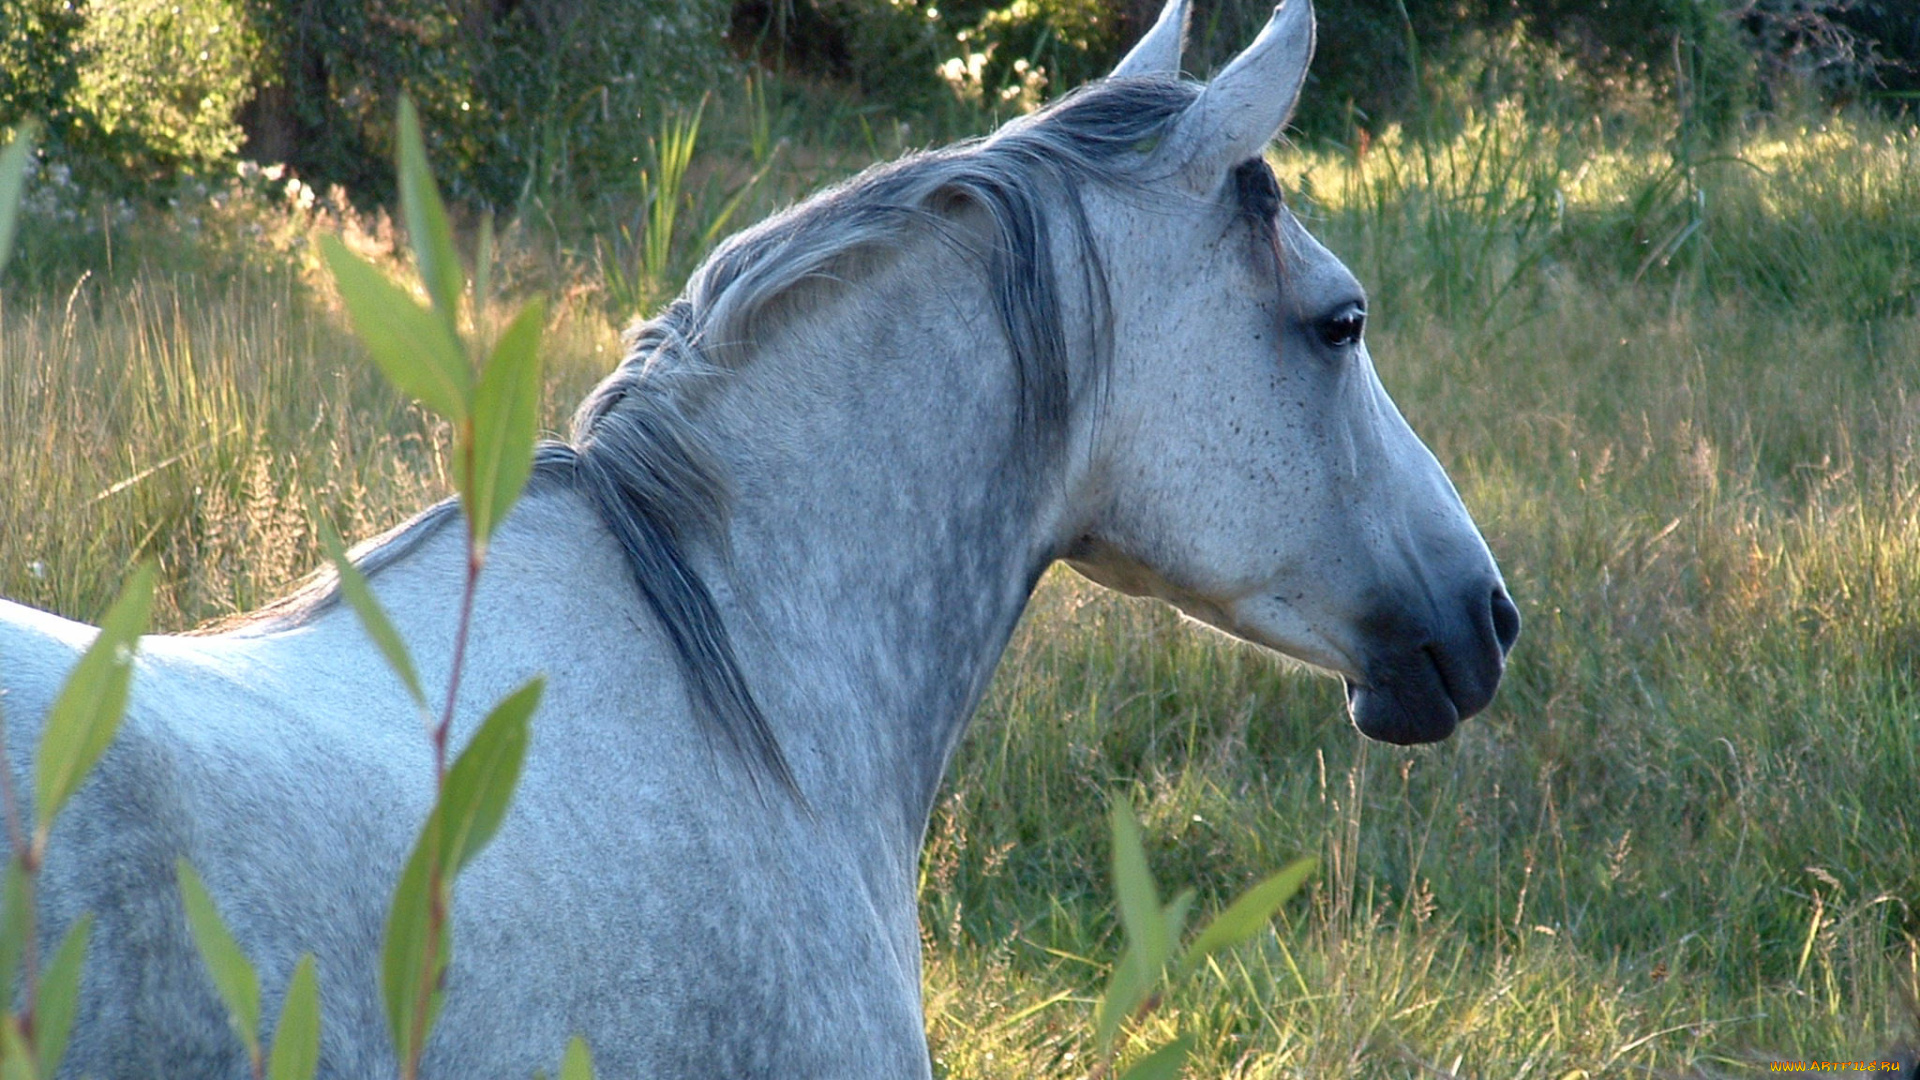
(885, 532)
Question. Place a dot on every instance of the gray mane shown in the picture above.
(651, 473)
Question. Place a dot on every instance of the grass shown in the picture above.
(1682, 399)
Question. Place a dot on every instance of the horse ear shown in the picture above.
(1250, 100)
(1158, 50)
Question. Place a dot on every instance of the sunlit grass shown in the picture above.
(1824, 219)
(201, 424)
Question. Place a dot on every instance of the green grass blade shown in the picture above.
(1140, 909)
(232, 974)
(428, 232)
(416, 349)
(60, 996)
(296, 1038)
(13, 181)
(506, 421)
(87, 713)
(578, 1064)
(728, 208)
(373, 618)
(1250, 914)
(1163, 1064)
(480, 783)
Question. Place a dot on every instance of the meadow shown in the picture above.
(1678, 387)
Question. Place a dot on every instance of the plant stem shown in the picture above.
(29, 855)
(475, 560)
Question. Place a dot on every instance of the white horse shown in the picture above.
(767, 581)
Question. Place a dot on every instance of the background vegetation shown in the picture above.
(1650, 287)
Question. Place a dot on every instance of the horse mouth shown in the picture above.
(1410, 700)
(1417, 689)
(1390, 715)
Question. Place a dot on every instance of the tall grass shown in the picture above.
(1681, 396)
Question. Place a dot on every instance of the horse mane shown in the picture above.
(650, 472)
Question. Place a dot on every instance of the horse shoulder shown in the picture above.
(237, 758)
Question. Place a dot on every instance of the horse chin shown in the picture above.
(1402, 714)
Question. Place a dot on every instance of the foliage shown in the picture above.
(295, 1049)
(1156, 960)
(548, 101)
(1838, 50)
(129, 93)
(521, 99)
(1378, 61)
(40, 59)
(161, 85)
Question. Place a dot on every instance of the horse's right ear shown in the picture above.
(1248, 102)
(1158, 51)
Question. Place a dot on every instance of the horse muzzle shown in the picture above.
(1421, 680)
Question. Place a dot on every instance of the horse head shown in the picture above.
(1249, 468)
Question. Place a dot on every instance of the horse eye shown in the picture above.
(1343, 329)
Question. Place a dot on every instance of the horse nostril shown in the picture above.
(1506, 619)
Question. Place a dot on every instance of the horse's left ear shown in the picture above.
(1158, 51)
(1246, 105)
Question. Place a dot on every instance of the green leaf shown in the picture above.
(480, 783)
(578, 1064)
(296, 1039)
(16, 922)
(1126, 989)
(1174, 915)
(87, 713)
(416, 349)
(13, 180)
(373, 618)
(232, 975)
(412, 942)
(1163, 1064)
(426, 218)
(1250, 914)
(506, 421)
(16, 1059)
(60, 996)
(471, 806)
(1140, 909)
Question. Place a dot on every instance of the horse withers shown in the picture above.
(768, 578)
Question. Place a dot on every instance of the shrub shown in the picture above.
(160, 83)
(39, 61)
(521, 96)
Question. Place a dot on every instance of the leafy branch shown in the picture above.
(1155, 963)
(492, 399)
